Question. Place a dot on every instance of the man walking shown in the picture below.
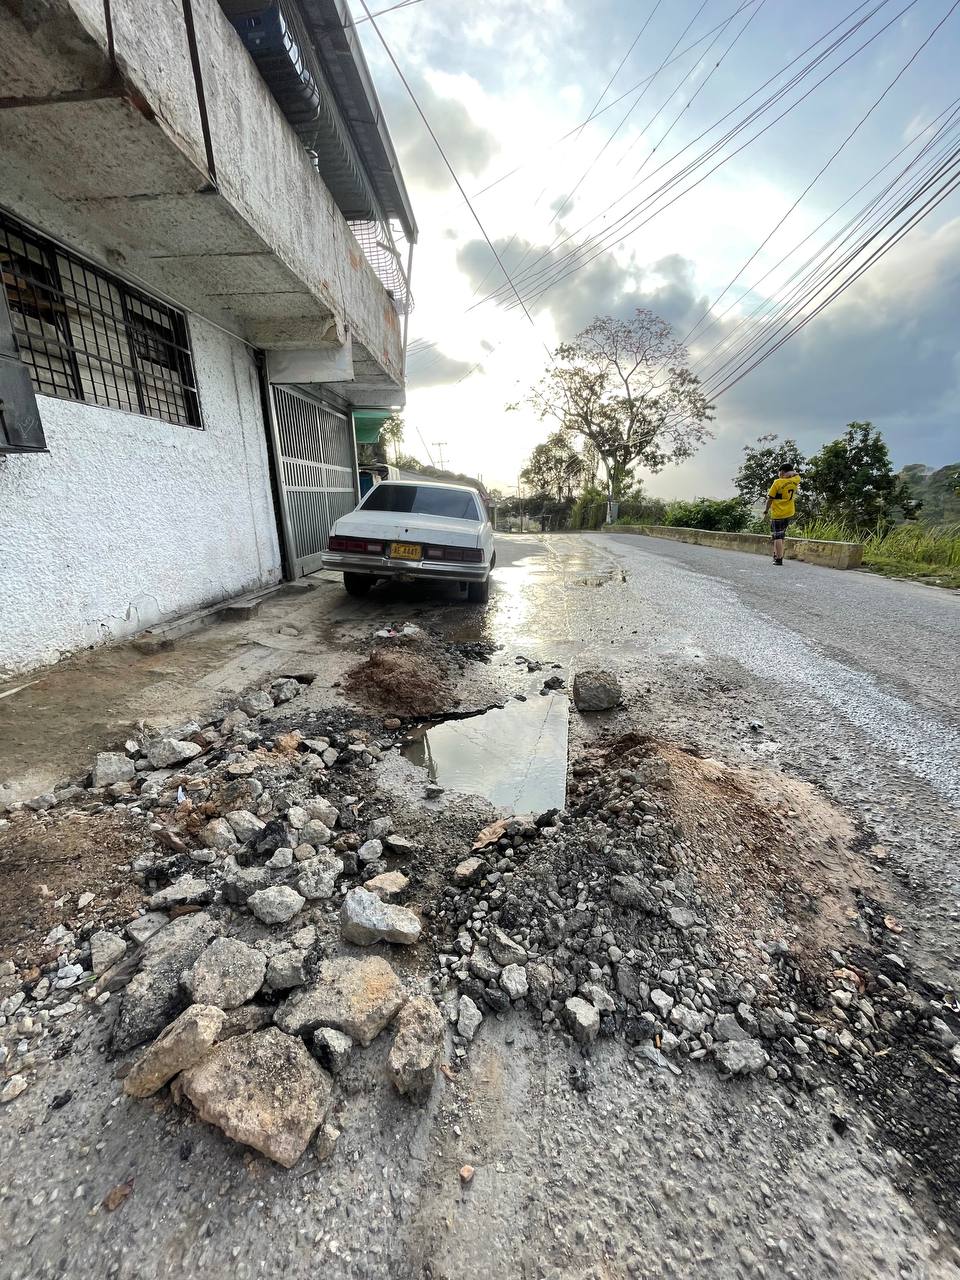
(782, 507)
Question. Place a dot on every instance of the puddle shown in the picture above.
(515, 756)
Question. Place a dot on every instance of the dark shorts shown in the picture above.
(778, 528)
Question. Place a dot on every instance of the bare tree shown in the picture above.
(625, 387)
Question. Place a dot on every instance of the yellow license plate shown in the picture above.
(406, 551)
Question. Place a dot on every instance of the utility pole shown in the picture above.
(520, 501)
(438, 445)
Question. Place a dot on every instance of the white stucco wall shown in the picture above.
(128, 520)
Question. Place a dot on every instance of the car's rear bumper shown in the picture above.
(382, 567)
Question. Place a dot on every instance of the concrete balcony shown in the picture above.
(143, 135)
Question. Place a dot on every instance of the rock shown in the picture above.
(631, 984)
(482, 965)
(689, 1019)
(469, 871)
(244, 882)
(332, 1048)
(469, 1018)
(13, 1088)
(725, 1027)
(740, 1057)
(188, 891)
(370, 851)
(323, 811)
(662, 1002)
(105, 950)
(388, 885)
(287, 970)
(598, 997)
(595, 690)
(280, 860)
(400, 845)
(248, 1017)
(285, 690)
(358, 997)
(165, 752)
(503, 949)
(466, 1173)
(628, 891)
(681, 918)
(254, 704)
(540, 981)
(365, 919)
(227, 973)
(140, 928)
(582, 1019)
(316, 833)
(417, 1049)
(112, 766)
(262, 1089)
(152, 997)
(275, 905)
(182, 1044)
(218, 834)
(513, 979)
(244, 824)
(319, 876)
(378, 828)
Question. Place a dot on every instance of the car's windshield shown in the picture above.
(423, 500)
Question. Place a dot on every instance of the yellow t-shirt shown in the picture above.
(782, 492)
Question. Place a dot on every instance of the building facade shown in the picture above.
(204, 249)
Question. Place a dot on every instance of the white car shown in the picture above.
(414, 529)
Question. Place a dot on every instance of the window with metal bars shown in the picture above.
(85, 335)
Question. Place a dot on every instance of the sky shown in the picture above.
(502, 82)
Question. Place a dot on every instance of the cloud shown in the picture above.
(468, 145)
(433, 369)
(606, 286)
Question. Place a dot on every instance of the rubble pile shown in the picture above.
(233, 975)
(278, 897)
(597, 922)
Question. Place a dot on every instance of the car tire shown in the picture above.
(357, 584)
(479, 592)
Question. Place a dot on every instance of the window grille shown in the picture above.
(85, 335)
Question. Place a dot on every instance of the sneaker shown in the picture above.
(776, 561)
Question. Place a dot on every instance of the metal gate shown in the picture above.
(317, 471)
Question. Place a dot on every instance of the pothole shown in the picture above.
(515, 756)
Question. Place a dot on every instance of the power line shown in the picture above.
(403, 4)
(715, 147)
(825, 166)
(450, 168)
(754, 348)
(876, 203)
(562, 272)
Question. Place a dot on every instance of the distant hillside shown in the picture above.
(938, 490)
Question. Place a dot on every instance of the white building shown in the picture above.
(200, 208)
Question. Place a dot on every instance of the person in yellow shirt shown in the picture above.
(781, 507)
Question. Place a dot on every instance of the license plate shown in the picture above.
(406, 551)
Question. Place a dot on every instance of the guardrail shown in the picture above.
(833, 555)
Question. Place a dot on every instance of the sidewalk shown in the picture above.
(54, 719)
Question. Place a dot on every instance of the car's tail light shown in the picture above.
(361, 546)
(463, 555)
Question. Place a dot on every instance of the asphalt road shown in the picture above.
(855, 678)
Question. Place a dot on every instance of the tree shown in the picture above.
(555, 467)
(762, 463)
(391, 433)
(626, 388)
(852, 479)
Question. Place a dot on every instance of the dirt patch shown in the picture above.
(408, 684)
(773, 844)
(47, 862)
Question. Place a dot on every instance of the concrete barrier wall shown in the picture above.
(834, 555)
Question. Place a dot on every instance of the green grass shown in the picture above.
(910, 550)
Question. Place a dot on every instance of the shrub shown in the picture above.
(724, 515)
